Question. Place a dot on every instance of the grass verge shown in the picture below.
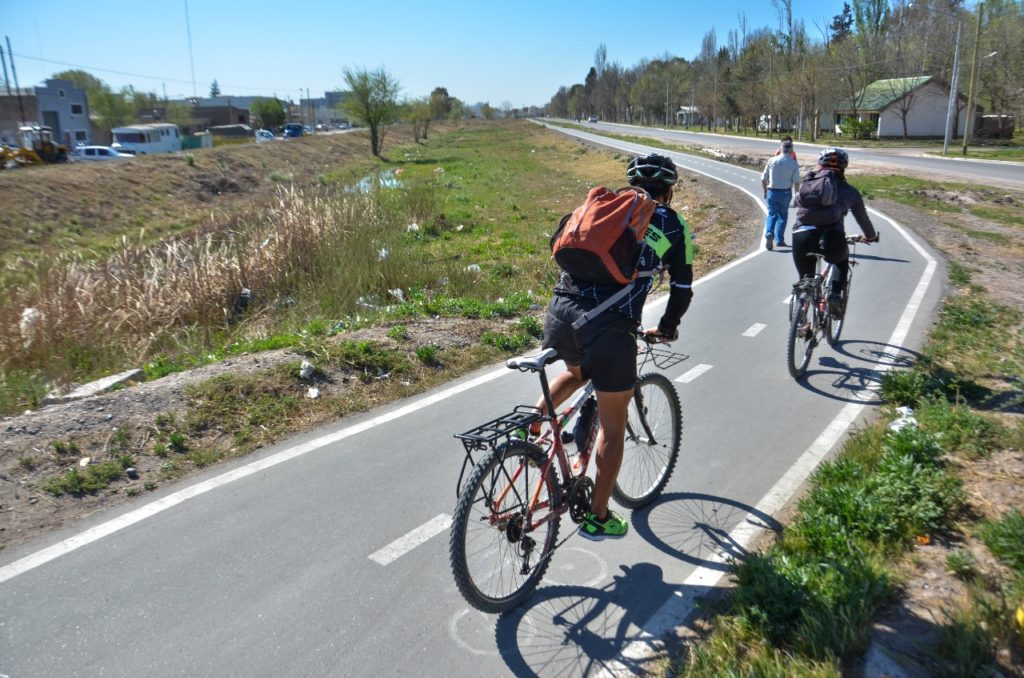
(463, 231)
(804, 605)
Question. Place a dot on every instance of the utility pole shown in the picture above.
(693, 104)
(7, 80)
(953, 94)
(14, 72)
(191, 61)
(969, 123)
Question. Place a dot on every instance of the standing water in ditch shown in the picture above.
(372, 182)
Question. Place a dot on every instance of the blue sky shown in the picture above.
(518, 52)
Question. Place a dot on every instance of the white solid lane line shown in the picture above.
(403, 545)
(754, 330)
(681, 604)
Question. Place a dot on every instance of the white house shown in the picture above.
(919, 102)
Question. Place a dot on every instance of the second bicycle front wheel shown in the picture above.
(504, 527)
(654, 432)
(801, 338)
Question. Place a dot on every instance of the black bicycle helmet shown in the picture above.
(651, 169)
(834, 158)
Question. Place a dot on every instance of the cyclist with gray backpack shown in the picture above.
(597, 304)
(822, 202)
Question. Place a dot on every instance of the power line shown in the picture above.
(140, 75)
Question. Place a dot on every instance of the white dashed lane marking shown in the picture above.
(403, 545)
(689, 376)
(754, 330)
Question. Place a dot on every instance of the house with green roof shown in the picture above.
(911, 107)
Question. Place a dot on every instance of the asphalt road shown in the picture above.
(327, 554)
(920, 160)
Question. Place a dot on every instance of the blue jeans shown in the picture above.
(778, 213)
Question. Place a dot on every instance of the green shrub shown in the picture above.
(93, 478)
(962, 430)
(1005, 539)
(427, 354)
(65, 447)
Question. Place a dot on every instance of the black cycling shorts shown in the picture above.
(604, 348)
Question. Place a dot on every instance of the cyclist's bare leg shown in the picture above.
(611, 411)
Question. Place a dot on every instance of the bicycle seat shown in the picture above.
(533, 362)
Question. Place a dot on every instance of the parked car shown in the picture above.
(592, 118)
(293, 129)
(264, 135)
(96, 153)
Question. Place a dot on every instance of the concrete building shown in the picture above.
(57, 104)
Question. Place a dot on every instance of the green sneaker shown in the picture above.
(525, 434)
(612, 526)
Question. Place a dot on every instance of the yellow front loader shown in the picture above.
(37, 148)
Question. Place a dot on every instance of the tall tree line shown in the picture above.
(791, 75)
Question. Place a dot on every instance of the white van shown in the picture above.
(157, 137)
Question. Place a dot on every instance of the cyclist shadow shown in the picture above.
(697, 528)
(848, 382)
(578, 630)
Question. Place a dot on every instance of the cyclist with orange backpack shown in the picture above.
(597, 339)
(822, 202)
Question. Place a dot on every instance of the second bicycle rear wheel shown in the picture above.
(499, 549)
(835, 327)
(654, 432)
(801, 338)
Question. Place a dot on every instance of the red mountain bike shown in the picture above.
(505, 527)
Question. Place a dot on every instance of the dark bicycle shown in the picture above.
(810, 318)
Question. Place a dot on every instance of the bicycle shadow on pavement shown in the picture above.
(873, 257)
(877, 352)
(844, 381)
(579, 630)
(696, 528)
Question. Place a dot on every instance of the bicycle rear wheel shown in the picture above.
(801, 338)
(835, 327)
(498, 550)
(653, 436)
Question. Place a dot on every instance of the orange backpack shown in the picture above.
(601, 240)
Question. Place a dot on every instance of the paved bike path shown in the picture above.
(334, 561)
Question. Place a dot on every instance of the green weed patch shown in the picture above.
(89, 480)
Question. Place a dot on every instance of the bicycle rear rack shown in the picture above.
(491, 434)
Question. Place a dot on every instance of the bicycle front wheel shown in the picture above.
(654, 432)
(504, 528)
(801, 338)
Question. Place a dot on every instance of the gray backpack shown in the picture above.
(818, 199)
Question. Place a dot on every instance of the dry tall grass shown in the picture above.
(95, 316)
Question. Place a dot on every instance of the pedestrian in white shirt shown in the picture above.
(781, 176)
